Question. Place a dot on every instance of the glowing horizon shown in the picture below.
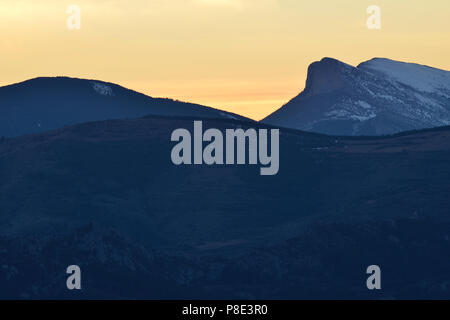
(244, 56)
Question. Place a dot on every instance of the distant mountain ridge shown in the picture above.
(378, 97)
(43, 104)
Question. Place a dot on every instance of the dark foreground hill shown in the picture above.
(44, 104)
(106, 196)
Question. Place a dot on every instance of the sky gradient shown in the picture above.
(244, 56)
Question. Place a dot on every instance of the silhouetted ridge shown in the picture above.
(43, 104)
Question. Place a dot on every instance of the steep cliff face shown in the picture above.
(380, 96)
(326, 76)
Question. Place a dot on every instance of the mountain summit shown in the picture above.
(379, 96)
(43, 104)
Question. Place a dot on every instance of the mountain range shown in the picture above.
(86, 178)
(378, 97)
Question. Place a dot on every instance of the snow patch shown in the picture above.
(102, 89)
(364, 104)
(352, 110)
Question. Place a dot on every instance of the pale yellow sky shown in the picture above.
(244, 56)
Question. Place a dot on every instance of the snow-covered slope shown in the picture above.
(422, 78)
(43, 104)
(379, 96)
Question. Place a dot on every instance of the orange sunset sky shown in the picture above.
(244, 56)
